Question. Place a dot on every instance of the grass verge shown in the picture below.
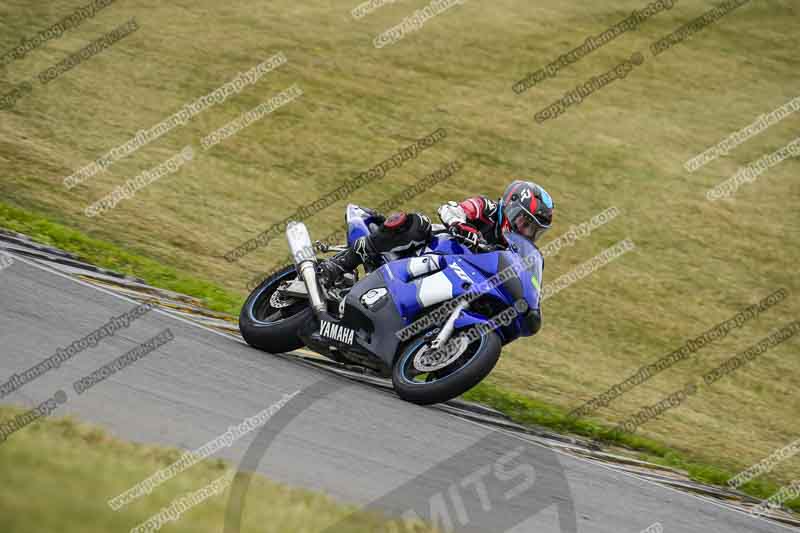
(113, 257)
(72, 469)
(527, 411)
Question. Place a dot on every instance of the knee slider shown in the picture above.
(396, 222)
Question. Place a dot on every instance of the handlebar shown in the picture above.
(485, 247)
(481, 247)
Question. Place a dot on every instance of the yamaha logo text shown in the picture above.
(336, 332)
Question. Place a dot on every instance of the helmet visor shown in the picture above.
(530, 227)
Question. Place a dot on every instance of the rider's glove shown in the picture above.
(466, 233)
(451, 213)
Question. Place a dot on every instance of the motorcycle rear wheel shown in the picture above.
(269, 322)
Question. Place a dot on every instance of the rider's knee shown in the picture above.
(397, 222)
(400, 229)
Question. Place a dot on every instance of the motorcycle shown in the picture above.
(413, 319)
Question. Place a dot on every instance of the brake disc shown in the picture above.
(428, 360)
(278, 301)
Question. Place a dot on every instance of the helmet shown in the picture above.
(527, 209)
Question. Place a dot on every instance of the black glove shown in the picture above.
(467, 234)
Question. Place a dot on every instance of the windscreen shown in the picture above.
(531, 260)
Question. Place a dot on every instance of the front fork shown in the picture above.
(447, 330)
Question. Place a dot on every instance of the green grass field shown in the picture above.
(696, 262)
(54, 460)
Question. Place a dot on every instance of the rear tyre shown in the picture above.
(458, 377)
(269, 322)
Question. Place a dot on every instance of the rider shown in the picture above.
(525, 208)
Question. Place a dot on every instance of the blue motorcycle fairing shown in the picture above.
(375, 323)
(486, 262)
(528, 263)
(444, 244)
(407, 289)
(467, 319)
(531, 276)
(459, 273)
(454, 271)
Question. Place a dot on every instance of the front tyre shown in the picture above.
(269, 322)
(419, 386)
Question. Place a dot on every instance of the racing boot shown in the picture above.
(332, 270)
(398, 233)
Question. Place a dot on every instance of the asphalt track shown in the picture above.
(359, 444)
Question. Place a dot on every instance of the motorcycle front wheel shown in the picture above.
(421, 387)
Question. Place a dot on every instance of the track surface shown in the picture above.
(356, 443)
